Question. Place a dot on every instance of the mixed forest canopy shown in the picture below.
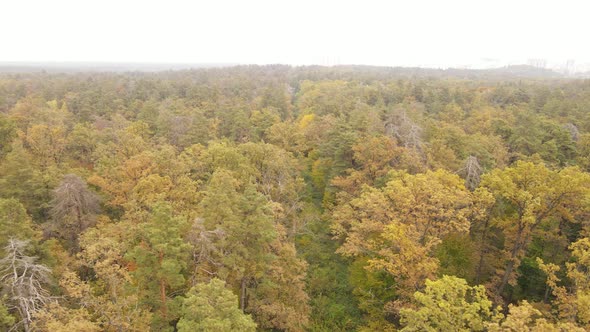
(278, 198)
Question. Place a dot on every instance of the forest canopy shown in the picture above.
(278, 198)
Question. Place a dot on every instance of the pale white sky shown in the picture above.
(394, 33)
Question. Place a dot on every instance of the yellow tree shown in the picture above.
(280, 300)
(436, 203)
(528, 195)
(119, 180)
(525, 318)
(448, 304)
(573, 303)
(46, 143)
(113, 300)
(373, 158)
(57, 318)
(397, 226)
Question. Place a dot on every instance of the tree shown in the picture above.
(160, 258)
(73, 210)
(472, 172)
(529, 194)
(400, 252)
(244, 243)
(118, 178)
(46, 143)
(246, 220)
(288, 136)
(81, 143)
(448, 304)
(7, 134)
(24, 282)
(434, 203)
(6, 319)
(583, 146)
(373, 159)
(573, 303)
(114, 301)
(15, 222)
(481, 229)
(212, 307)
(398, 227)
(524, 317)
(279, 300)
(20, 180)
(204, 247)
(276, 174)
(57, 318)
(402, 127)
(261, 121)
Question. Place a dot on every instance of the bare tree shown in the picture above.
(22, 280)
(203, 243)
(73, 209)
(472, 172)
(400, 126)
(573, 131)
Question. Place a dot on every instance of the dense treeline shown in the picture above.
(292, 199)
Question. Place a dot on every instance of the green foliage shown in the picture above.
(14, 222)
(6, 319)
(245, 219)
(20, 179)
(7, 134)
(374, 290)
(323, 197)
(448, 304)
(212, 307)
(328, 282)
(160, 259)
(456, 256)
(530, 195)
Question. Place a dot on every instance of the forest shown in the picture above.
(281, 198)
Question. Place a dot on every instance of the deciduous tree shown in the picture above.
(24, 282)
(532, 194)
(448, 304)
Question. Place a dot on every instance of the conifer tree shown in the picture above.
(212, 307)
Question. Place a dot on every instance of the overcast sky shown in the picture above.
(394, 33)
